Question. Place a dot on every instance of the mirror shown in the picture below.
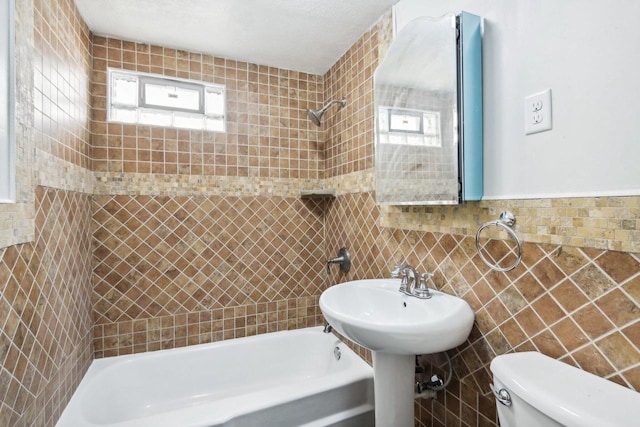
(419, 151)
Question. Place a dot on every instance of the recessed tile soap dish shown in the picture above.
(328, 193)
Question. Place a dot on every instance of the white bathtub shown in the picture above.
(289, 378)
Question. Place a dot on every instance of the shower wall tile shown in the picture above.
(349, 131)
(201, 327)
(45, 263)
(579, 305)
(196, 228)
(268, 134)
(61, 72)
(45, 311)
(160, 258)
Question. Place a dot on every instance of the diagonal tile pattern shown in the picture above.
(45, 311)
(579, 305)
(158, 256)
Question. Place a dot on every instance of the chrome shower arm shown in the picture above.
(342, 102)
(316, 115)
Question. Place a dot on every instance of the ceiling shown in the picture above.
(300, 35)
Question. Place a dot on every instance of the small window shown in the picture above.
(154, 100)
(405, 121)
(409, 127)
(7, 104)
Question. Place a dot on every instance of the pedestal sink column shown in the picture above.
(393, 383)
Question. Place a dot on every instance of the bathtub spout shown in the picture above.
(328, 329)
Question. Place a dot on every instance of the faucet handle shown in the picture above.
(424, 277)
(397, 269)
(422, 291)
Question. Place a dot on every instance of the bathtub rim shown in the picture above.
(357, 371)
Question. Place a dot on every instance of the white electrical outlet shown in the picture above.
(537, 112)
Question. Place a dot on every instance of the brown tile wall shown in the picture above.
(62, 67)
(349, 131)
(579, 305)
(45, 299)
(199, 236)
(268, 134)
(208, 267)
(172, 270)
(45, 311)
(572, 297)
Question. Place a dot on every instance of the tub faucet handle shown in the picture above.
(343, 260)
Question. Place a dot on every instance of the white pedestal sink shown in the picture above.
(395, 327)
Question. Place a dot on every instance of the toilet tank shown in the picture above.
(547, 392)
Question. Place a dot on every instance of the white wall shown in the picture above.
(588, 53)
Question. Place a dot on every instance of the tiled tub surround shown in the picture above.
(171, 271)
(45, 294)
(199, 236)
(45, 311)
(268, 134)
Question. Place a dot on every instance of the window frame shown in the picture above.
(7, 97)
(147, 79)
(143, 106)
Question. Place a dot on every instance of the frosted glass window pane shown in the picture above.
(431, 123)
(415, 140)
(155, 118)
(216, 125)
(383, 119)
(124, 90)
(188, 122)
(172, 97)
(214, 102)
(124, 115)
(396, 139)
(433, 141)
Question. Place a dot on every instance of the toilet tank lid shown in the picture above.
(569, 395)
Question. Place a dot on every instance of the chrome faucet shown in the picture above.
(398, 271)
(411, 280)
(412, 284)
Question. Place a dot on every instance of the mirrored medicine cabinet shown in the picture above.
(428, 113)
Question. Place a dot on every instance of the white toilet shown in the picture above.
(534, 390)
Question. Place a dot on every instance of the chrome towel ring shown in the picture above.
(506, 221)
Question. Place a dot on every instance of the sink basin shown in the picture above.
(375, 315)
(395, 326)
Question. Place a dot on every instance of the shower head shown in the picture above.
(316, 115)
